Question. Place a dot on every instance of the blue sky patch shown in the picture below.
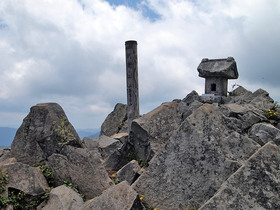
(137, 5)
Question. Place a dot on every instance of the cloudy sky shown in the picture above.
(72, 51)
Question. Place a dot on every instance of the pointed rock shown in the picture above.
(253, 186)
(200, 155)
(114, 121)
(43, 132)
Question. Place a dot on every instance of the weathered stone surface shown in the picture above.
(246, 115)
(159, 124)
(7, 161)
(140, 141)
(62, 198)
(92, 145)
(5, 154)
(118, 197)
(253, 186)
(114, 121)
(122, 137)
(187, 109)
(89, 143)
(263, 133)
(43, 132)
(81, 167)
(260, 99)
(130, 172)
(200, 155)
(107, 146)
(25, 178)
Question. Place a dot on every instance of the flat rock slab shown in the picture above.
(62, 198)
(118, 197)
(255, 185)
(200, 155)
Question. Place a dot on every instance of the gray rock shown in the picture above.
(159, 124)
(7, 161)
(118, 197)
(246, 115)
(122, 137)
(25, 178)
(43, 132)
(130, 172)
(263, 133)
(187, 109)
(63, 198)
(200, 155)
(90, 144)
(81, 167)
(191, 97)
(253, 186)
(5, 154)
(260, 99)
(140, 141)
(114, 121)
(107, 146)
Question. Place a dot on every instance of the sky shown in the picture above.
(72, 52)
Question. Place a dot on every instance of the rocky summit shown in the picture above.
(190, 153)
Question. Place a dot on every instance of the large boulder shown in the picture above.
(253, 186)
(43, 132)
(81, 167)
(114, 121)
(25, 178)
(62, 198)
(118, 197)
(200, 155)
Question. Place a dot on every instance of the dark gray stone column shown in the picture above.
(132, 81)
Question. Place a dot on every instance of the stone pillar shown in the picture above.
(132, 82)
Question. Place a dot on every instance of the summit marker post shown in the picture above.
(132, 81)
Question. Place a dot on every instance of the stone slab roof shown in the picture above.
(225, 68)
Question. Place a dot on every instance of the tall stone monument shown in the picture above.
(132, 81)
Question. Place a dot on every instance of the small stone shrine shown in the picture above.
(216, 73)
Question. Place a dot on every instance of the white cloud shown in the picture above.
(72, 52)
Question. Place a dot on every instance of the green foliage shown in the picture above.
(4, 179)
(70, 185)
(46, 170)
(63, 129)
(17, 198)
